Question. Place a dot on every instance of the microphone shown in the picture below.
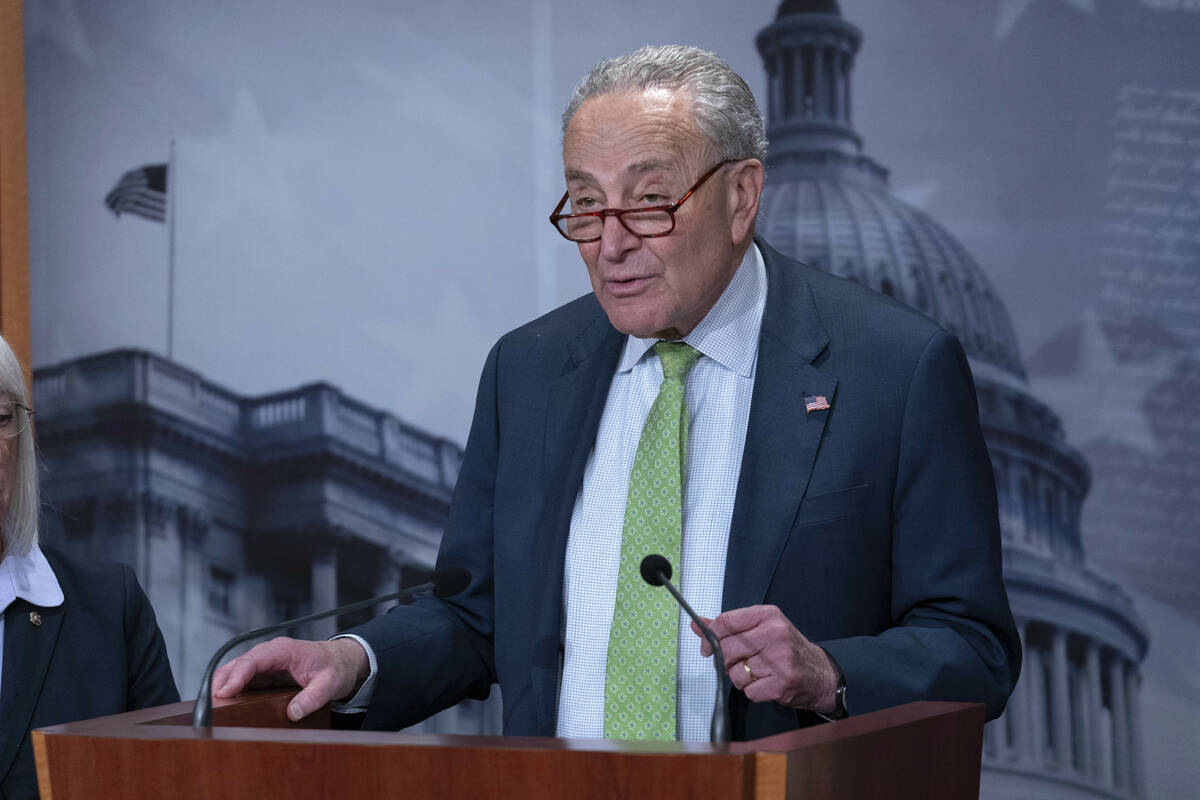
(444, 582)
(656, 571)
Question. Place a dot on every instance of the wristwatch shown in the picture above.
(839, 710)
(839, 696)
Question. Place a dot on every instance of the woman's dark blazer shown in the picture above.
(98, 653)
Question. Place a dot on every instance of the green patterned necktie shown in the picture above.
(639, 689)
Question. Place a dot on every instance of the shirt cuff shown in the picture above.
(362, 698)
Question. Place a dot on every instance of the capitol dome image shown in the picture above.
(1072, 728)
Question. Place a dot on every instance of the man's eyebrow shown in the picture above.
(639, 168)
(652, 165)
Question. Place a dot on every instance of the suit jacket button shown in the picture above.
(35, 618)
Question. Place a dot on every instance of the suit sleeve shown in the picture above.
(952, 634)
(148, 672)
(434, 653)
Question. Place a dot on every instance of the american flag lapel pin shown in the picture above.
(815, 402)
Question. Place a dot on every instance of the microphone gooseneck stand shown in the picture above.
(656, 571)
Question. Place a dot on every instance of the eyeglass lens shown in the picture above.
(13, 419)
(643, 223)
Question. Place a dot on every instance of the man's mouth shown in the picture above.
(623, 287)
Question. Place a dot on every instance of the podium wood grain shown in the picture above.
(922, 750)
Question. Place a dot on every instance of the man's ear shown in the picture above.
(745, 186)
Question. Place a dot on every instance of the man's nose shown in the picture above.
(616, 240)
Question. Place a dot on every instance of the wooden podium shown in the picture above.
(922, 750)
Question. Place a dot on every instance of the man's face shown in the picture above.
(642, 149)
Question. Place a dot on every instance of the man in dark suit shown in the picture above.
(848, 552)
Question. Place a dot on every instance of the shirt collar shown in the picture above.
(728, 334)
(29, 578)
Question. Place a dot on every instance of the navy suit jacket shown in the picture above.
(98, 653)
(872, 524)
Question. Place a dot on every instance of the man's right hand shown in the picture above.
(325, 671)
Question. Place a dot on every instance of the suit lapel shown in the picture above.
(782, 439)
(574, 407)
(27, 651)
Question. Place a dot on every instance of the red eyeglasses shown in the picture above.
(647, 222)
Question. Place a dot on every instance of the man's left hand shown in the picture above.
(768, 659)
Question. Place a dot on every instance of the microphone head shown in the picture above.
(656, 569)
(449, 581)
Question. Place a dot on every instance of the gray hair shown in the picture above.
(724, 106)
(20, 528)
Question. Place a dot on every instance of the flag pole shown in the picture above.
(172, 174)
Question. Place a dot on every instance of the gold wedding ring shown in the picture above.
(750, 672)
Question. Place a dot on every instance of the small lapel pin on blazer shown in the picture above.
(35, 618)
(815, 403)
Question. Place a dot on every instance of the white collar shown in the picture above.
(728, 334)
(30, 578)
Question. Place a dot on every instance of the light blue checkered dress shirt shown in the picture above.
(718, 393)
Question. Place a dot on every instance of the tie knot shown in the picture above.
(676, 358)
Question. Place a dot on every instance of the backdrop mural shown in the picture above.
(254, 381)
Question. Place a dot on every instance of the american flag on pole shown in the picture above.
(815, 403)
(141, 191)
